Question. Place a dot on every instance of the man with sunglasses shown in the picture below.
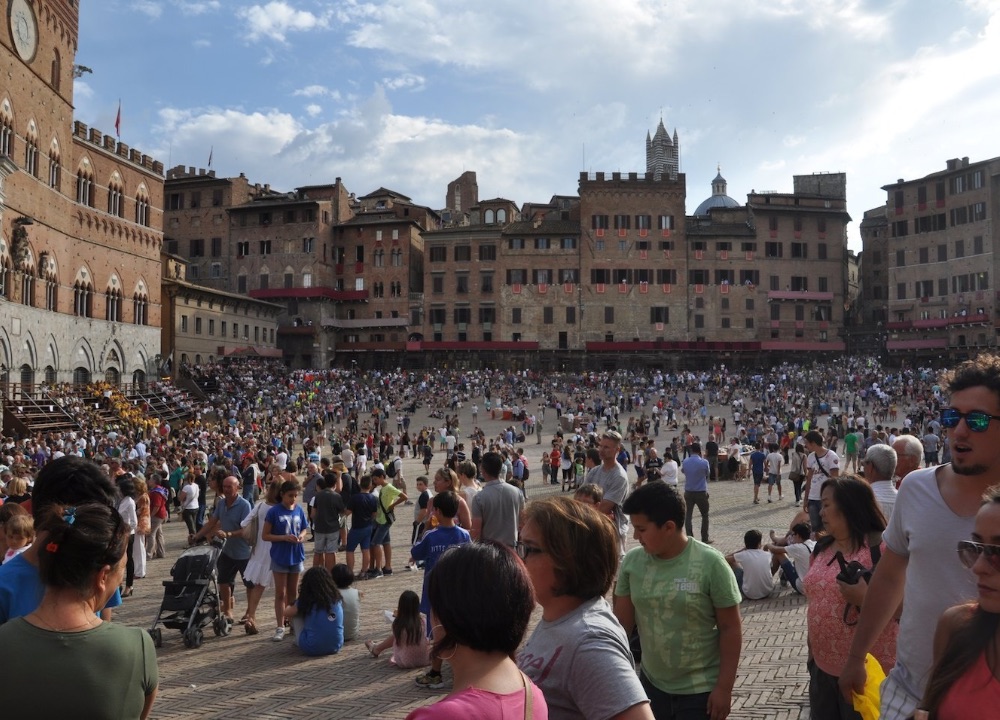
(935, 509)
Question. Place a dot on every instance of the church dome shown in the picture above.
(718, 198)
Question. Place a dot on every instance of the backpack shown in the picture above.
(390, 469)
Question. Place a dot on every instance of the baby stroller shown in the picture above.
(191, 597)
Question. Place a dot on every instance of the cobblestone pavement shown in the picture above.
(254, 677)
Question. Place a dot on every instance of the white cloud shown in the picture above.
(193, 7)
(415, 155)
(313, 110)
(790, 141)
(406, 81)
(311, 91)
(148, 7)
(278, 18)
(202, 43)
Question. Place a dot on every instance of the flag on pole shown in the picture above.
(118, 120)
(210, 152)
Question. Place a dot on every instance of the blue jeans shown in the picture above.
(674, 707)
(814, 519)
(791, 575)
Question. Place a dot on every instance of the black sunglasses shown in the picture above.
(977, 420)
(969, 552)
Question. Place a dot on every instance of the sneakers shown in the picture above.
(373, 574)
(279, 634)
(387, 571)
(770, 500)
(756, 502)
(432, 680)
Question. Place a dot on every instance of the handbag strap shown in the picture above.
(529, 696)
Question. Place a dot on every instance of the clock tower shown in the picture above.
(80, 219)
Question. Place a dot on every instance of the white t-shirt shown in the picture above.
(829, 463)
(774, 461)
(668, 473)
(800, 554)
(190, 501)
(758, 582)
(924, 530)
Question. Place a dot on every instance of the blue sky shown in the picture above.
(408, 94)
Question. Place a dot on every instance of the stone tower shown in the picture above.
(662, 153)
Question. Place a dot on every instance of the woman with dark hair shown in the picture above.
(103, 670)
(853, 522)
(579, 653)
(963, 681)
(317, 617)
(127, 509)
(481, 602)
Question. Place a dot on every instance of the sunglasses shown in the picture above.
(525, 551)
(977, 420)
(969, 552)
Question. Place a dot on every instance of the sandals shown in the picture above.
(250, 627)
(370, 644)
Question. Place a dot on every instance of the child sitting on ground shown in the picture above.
(343, 578)
(19, 531)
(317, 617)
(409, 638)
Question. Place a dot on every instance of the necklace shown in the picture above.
(86, 625)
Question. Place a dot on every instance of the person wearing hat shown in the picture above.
(335, 471)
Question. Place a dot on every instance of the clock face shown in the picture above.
(23, 29)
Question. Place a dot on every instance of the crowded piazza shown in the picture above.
(784, 467)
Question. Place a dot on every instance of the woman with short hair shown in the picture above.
(579, 653)
(481, 601)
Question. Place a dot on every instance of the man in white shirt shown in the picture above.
(752, 567)
(879, 466)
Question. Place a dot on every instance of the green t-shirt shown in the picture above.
(850, 443)
(102, 673)
(386, 497)
(675, 602)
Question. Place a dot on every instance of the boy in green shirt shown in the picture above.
(685, 601)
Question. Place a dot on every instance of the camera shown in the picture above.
(851, 572)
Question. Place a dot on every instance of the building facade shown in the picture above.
(82, 230)
(941, 261)
(205, 325)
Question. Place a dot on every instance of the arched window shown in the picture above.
(81, 376)
(50, 281)
(489, 217)
(6, 277)
(113, 304)
(6, 133)
(31, 151)
(112, 376)
(379, 258)
(116, 197)
(50, 375)
(142, 207)
(83, 298)
(85, 186)
(27, 271)
(55, 167)
(307, 279)
(56, 70)
(501, 216)
(140, 309)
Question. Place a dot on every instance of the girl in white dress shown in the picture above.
(259, 567)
